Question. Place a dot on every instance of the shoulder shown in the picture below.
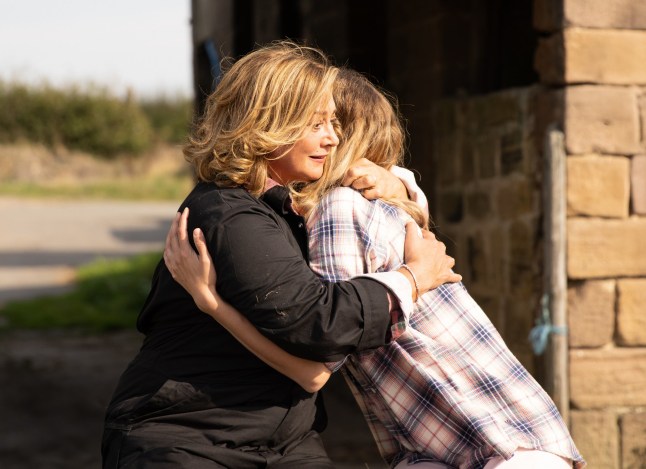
(344, 194)
(211, 205)
(345, 203)
(208, 195)
(345, 210)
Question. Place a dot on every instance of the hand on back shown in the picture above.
(194, 272)
(427, 258)
(373, 181)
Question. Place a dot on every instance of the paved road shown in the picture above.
(42, 241)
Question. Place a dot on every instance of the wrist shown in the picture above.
(207, 301)
(412, 279)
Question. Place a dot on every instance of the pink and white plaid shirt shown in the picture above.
(448, 389)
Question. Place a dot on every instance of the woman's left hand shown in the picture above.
(194, 272)
(374, 182)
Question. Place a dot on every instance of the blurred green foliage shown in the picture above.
(90, 120)
(163, 187)
(170, 117)
(108, 296)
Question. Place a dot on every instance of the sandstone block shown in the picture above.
(486, 152)
(598, 186)
(512, 156)
(605, 248)
(601, 119)
(591, 313)
(479, 204)
(517, 197)
(524, 260)
(498, 275)
(633, 439)
(477, 257)
(604, 56)
(619, 14)
(468, 163)
(638, 184)
(451, 207)
(446, 154)
(596, 436)
(608, 377)
(631, 315)
(497, 108)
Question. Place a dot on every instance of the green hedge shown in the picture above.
(89, 120)
(108, 296)
(170, 118)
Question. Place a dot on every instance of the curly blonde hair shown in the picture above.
(264, 102)
(370, 127)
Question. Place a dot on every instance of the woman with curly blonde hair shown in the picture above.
(194, 396)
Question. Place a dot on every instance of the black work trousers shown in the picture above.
(179, 427)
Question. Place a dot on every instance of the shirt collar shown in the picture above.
(270, 184)
(277, 197)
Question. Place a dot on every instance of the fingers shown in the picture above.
(427, 234)
(411, 231)
(183, 225)
(428, 256)
(357, 171)
(372, 193)
(363, 183)
(171, 244)
(348, 179)
(177, 245)
(200, 242)
(204, 256)
(412, 227)
(181, 240)
(171, 233)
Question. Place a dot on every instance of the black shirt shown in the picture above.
(259, 248)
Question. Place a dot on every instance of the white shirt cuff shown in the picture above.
(407, 177)
(399, 286)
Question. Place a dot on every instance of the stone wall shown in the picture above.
(595, 53)
(488, 188)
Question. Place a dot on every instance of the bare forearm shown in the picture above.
(310, 375)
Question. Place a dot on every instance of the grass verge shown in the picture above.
(108, 296)
(158, 188)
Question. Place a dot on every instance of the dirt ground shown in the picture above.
(56, 386)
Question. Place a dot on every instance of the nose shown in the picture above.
(331, 138)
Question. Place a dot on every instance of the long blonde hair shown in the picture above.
(264, 102)
(370, 127)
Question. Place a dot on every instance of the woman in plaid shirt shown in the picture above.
(447, 393)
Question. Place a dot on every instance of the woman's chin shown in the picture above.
(314, 176)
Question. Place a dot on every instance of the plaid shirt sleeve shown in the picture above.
(343, 244)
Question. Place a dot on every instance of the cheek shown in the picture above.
(310, 145)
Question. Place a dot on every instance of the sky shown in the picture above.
(141, 45)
